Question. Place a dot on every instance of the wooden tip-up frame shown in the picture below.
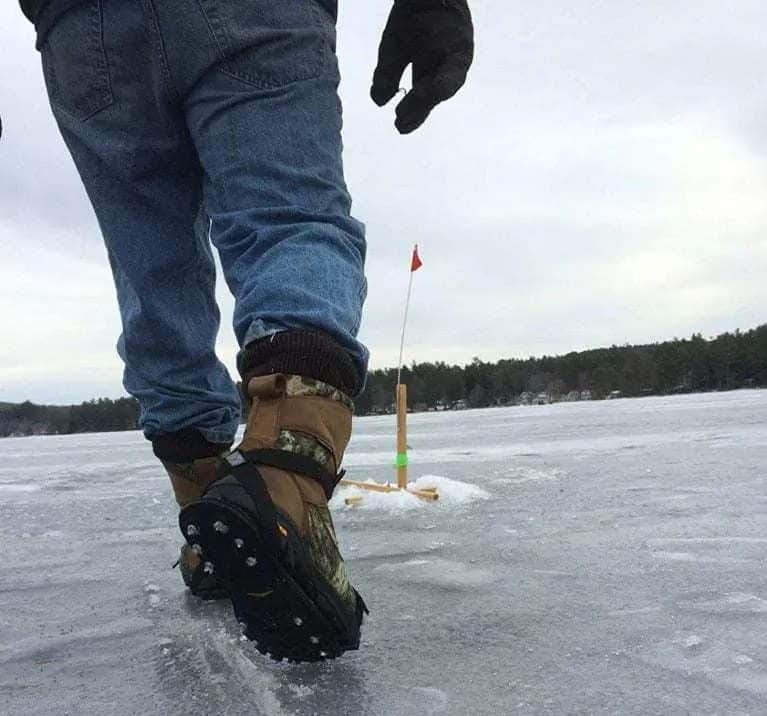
(428, 494)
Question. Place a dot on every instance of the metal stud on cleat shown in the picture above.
(192, 531)
(323, 654)
(314, 639)
(251, 561)
(298, 621)
(208, 568)
(220, 527)
(239, 543)
(197, 549)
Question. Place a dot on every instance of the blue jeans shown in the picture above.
(199, 121)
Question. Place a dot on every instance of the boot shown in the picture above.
(264, 527)
(189, 481)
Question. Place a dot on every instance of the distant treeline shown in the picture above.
(730, 361)
(95, 416)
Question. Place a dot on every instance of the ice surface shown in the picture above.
(587, 558)
(19, 488)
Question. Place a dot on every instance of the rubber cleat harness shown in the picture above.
(285, 604)
(289, 462)
(264, 529)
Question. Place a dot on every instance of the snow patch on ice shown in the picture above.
(711, 550)
(676, 556)
(688, 654)
(150, 535)
(436, 572)
(670, 498)
(692, 641)
(634, 611)
(58, 647)
(521, 475)
(687, 557)
(153, 592)
(53, 534)
(300, 690)
(730, 603)
(19, 487)
(451, 492)
(431, 701)
(705, 541)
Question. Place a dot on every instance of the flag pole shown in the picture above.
(401, 392)
(402, 458)
(404, 326)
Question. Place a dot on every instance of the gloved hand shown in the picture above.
(437, 36)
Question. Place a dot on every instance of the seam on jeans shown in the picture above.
(221, 53)
(266, 84)
(317, 61)
(159, 43)
(260, 82)
(100, 65)
(361, 297)
(103, 60)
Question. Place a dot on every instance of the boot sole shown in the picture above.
(206, 589)
(271, 601)
(209, 595)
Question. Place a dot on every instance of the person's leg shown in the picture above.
(117, 112)
(266, 122)
(265, 118)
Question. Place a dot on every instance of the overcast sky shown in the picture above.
(601, 179)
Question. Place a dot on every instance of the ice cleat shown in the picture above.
(264, 529)
(200, 581)
(189, 480)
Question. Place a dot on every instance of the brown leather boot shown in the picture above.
(189, 480)
(265, 529)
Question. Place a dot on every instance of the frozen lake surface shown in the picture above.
(587, 558)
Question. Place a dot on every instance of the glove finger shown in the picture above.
(429, 90)
(386, 81)
(393, 58)
(412, 112)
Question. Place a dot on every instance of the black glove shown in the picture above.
(437, 36)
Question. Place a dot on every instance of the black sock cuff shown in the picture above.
(185, 445)
(307, 353)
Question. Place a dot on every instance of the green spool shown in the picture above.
(401, 460)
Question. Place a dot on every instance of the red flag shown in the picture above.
(416, 263)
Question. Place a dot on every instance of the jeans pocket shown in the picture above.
(271, 43)
(75, 63)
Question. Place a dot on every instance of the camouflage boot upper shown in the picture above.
(189, 481)
(311, 420)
